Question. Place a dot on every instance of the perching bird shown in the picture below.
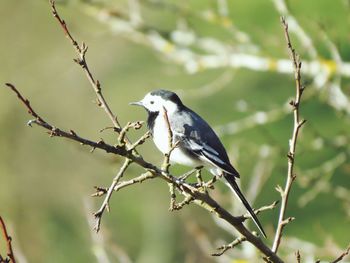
(197, 143)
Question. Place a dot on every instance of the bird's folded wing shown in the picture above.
(205, 151)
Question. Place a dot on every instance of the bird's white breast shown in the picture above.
(161, 140)
(161, 133)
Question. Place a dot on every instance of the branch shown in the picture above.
(338, 259)
(224, 248)
(171, 144)
(81, 51)
(143, 177)
(166, 161)
(166, 165)
(72, 135)
(261, 209)
(105, 204)
(10, 258)
(122, 133)
(303, 37)
(97, 241)
(53, 131)
(26, 104)
(201, 198)
(282, 222)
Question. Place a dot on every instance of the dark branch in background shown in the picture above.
(282, 221)
(343, 255)
(340, 258)
(10, 258)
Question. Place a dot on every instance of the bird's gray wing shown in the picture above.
(198, 139)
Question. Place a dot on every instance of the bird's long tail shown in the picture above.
(233, 185)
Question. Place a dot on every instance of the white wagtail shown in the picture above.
(197, 143)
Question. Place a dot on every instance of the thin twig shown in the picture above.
(199, 177)
(171, 144)
(186, 201)
(26, 102)
(172, 205)
(338, 259)
(166, 161)
(10, 258)
(282, 222)
(224, 248)
(137, 180)
(81, 51)
(135, 125)
(187, 174)
(140, 141)
(100, 191)
(261, 209)
(105, 204)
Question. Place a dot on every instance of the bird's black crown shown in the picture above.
(167, 95)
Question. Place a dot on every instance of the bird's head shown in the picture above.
(157, 100)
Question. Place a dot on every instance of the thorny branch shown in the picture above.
(10, 258)
(282, 221)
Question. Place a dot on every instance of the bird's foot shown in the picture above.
(210, 183)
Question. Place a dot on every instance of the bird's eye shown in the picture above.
(152, 102)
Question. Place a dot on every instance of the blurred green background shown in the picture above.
(45, 183)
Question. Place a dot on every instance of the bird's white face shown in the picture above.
(155, 103)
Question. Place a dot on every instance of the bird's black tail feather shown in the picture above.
(233, 185)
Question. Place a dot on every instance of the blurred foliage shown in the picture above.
(43, 180)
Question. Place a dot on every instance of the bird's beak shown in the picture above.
(137, 103)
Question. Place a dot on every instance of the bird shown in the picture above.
(196, 142)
